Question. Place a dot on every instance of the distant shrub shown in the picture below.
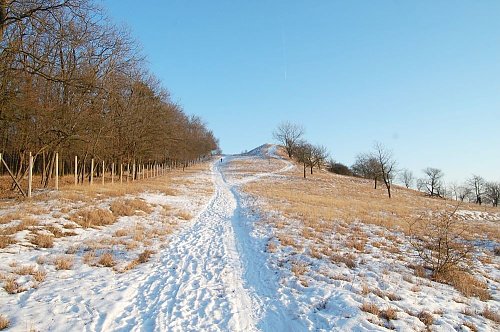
(339, 168)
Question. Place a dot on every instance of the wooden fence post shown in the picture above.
(103, 172)
(76, 170)
(128, 171)
(121, 173)
(57, 170)
(30, 175)
(91, 171)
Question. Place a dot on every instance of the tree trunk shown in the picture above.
(3, 16)
(304, 170)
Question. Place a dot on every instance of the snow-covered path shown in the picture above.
(212, 276)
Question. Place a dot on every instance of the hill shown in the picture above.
(243, 244)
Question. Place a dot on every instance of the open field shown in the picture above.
(343, 246)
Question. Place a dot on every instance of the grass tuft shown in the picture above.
(43, 240)
(63, 262)
(93, 217)
(107, 260)
(4, 322)
(370, 308)
(491, 315)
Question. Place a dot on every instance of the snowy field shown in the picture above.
(212, 255)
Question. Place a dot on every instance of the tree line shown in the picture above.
(380, 166)
(73, 82)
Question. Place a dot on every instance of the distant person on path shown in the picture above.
(220, 159)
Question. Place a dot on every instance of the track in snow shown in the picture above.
(212, 276)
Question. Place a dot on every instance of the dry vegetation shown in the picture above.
(330, 197)
(4, 322)
(344, 221)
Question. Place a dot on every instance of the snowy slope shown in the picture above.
(217, 273)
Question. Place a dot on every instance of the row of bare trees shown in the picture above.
(309, 155)
(74, 83)
(380, 165)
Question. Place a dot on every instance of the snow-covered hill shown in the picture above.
(215, 255)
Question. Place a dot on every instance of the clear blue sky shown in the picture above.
(422, 77)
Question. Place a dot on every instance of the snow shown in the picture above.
(214, 273)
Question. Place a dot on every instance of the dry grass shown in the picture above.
(8, 217)
(466, 284)
(25, 270)
(184, 215)
(107, 260)
(11, 286)
(299, 268)
(39, 275)
(93, 217)
(5, 241)
(144, 256)
(348, 259)
(370, 308)
(63, 262)
(24, 223)
(4, 322)
(129, 207)
(491, 315)
(470, 326)
(43, 240)
(426, 317)
(389, 314)
(329, 197)
(121, 232)
(89, 257)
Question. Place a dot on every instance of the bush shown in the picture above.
(339, 168)
(439, 244)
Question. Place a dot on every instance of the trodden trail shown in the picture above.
(212, 276)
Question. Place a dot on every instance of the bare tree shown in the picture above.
(304, 155)
(406, 176)
(367, 166)
(493, 192)
(319, 155)
(387, 165)
(289, 136)
(477, 185)
(431, 184)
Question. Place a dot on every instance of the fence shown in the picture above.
(122, 172)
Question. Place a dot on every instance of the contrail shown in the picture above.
(283, 44)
